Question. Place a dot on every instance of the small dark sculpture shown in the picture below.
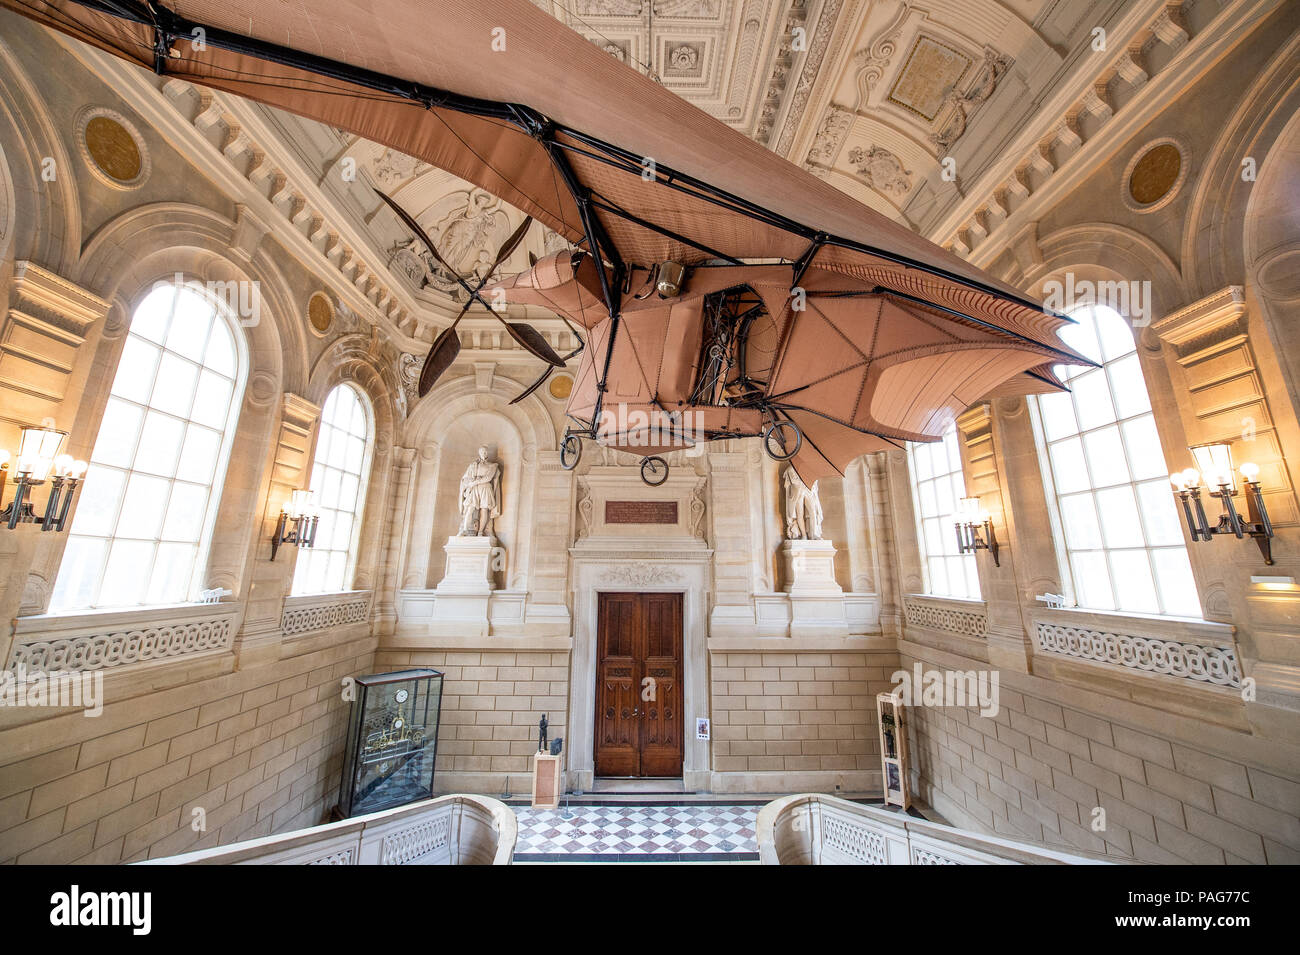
(557, 745)
(541, 734)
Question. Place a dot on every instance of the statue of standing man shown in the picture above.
(803, 509)
(480, 496)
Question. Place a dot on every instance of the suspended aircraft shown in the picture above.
(716, 290)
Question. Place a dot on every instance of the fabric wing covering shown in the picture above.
(861, 332)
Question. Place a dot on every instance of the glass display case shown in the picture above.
(392, 741)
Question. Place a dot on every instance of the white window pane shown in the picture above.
(153, 312)
(338, 452)
(185, 512)
(356, 452)
(127, 574)
(212, 403)
(173, 570)
(1160, 514)
(199, 454)
(118, 433)
(921, 463)
(1079, 518)
(142, 507)
(328, 491)
(136, 369)
(1129, 387)
(1174, 578)
(1105, 454)
(972, 578)
(1144, 454)
(1058, 415)
(1092, 399)
(221, 356)
(82, 566)
(98, 500)
(1120, 526)
(1067, 466)
(341, 532)
(174, 390)
(1114, 333)
(188, 334)
(1135, 590)
(939, 578)
(929, 503)
(160, 444)
(944, 501)
(1081, 335)
(349, 485)
(1091, 580)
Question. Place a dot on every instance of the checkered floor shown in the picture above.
(628, 833)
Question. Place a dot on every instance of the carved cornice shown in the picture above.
(1204, 322)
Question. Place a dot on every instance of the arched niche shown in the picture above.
(445, 431)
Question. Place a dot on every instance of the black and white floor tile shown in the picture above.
(630, 833)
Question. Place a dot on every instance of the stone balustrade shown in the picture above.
(449, 830)
(313, 612)
(812, 829)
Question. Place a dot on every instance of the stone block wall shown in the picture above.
(492, 700)
(258, 750)
(794, 719)
(1039, 769)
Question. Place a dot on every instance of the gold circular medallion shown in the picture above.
(1155, 174)
(320, 312)
(561, 387)
(113, 149)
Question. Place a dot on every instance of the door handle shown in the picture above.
(635, 711)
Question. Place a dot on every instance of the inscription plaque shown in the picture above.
(640, 512)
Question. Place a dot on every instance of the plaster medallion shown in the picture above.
(320, 312)
(560, 387)
(112, 148)
(1155, 175)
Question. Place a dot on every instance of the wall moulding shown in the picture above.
(313, 612)
(966, 618)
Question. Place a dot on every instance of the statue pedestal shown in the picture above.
(460, 604)
(816, 599)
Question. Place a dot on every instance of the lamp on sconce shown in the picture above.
(971, 520)
(39, 461)
(1214, 468)
(300, 511)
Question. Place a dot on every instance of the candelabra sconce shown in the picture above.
(971, 521)
(39, 461)
(1217, 475)
(303, 515)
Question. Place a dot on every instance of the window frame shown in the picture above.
(364, 475)
(221, 465)
(919, 518)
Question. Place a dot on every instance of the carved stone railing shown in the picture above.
(449, 830)
(812, 829)
(313, 612)
(966, 618)
(78, 642)
(1192, 650)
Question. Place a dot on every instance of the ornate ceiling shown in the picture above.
(898, 104)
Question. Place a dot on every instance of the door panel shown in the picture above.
(638, 720)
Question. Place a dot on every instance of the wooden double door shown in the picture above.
(640, 725)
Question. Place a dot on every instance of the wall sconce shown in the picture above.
(1215, 469)
(302, 511)
(971, 518)
(39, 461)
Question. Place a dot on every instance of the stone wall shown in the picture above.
(1173, 789)
(784, 721)
(491, 703)
(258, 750)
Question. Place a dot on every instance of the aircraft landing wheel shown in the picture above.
(570, 451)
(782, 440)
(654, 470)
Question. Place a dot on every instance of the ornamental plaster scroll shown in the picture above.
(881, 170)
(641, 574)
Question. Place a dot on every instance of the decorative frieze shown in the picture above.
(962, 617)
(103, 641)
(1152, 654)
(320, 612)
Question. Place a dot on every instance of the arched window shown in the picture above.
(1115, 524)
(937, 485)
(144, 522)
(338, 476)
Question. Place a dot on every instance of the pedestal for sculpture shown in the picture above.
(816, 600)
(460, 605)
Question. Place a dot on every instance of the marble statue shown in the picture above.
(480, 496)
(803, 509)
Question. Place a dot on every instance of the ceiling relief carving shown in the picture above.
(959, 105)
(391, 168)
(881, 170)
(467, 227)
(931, 70)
